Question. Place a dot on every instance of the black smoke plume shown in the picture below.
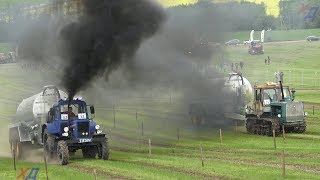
(106, 34)
(109, 32)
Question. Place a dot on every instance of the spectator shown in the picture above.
(269, 60)
(241, 65)
(265, 61)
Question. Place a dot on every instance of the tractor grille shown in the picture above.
(294, 111)
(83, 129)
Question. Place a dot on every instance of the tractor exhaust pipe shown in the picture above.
(281, 87)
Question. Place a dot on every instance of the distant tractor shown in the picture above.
(274, 107)
(59, 125)
(256, 47)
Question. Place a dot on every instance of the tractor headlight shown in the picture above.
(99, 131)
(279, 115)
(305, 113)
(97, 127)
(66, 129)
(65, 134)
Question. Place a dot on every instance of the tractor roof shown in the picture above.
(269, 85)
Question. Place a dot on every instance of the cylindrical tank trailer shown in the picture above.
(36, 108)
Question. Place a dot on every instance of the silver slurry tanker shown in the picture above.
(231, 109)
(31, 114)
(59, 125)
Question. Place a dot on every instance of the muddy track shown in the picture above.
(300, 167)
(99, 171)
(221, 151)
(175, 169)
(226, 151)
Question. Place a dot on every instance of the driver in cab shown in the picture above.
(70, 113)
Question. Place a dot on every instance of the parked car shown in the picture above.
(247, 42)
(232, 42)
(312, 38)
(2, 56)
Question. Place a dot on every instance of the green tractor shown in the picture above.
(274, 107)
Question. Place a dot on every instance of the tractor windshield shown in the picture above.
(272, 95)
(286, 93)
(74, 111)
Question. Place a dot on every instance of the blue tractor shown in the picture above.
(59, 125)
(69, 129)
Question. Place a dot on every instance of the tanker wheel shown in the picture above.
(104, 150)
(21, 149)
(89, 152)
(62, 153)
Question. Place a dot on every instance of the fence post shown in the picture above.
(114, 117)
(283, 134)
(149, 147)
(95, 174)
(312, 109)
(220, 136)
(274, 139)
(283, 164)
(136, 115)
(142, 128)
(201, 155)
(14, 156)
(45, 164)
(178, 134)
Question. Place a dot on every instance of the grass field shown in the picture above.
(277, 35)
(239, 156)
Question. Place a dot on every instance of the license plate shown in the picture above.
(85, 140)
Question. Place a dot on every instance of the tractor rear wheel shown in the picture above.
(62, 153)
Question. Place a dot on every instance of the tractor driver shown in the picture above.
(70, 113)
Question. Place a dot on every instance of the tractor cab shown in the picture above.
(71, 120)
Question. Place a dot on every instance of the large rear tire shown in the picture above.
(62, 153)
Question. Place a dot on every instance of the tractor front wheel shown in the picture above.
(104, 150)
(62, 153)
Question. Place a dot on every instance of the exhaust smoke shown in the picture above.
(108, 33)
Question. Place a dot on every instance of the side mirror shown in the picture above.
(293, 91)
(92, 109)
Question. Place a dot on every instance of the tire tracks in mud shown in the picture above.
(99, 171)
(175, 169)
(290, 166)
(305, 168)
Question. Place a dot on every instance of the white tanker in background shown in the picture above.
(224, 110)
